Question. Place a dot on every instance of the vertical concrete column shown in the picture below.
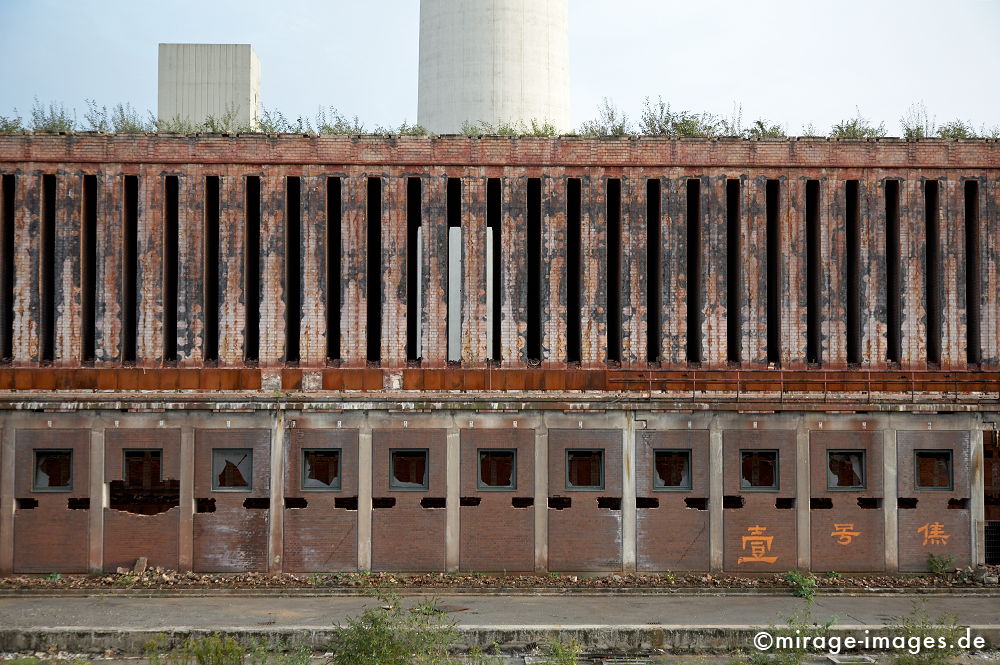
(802, 494)
(393, 342)
(313, 244)
(6, 499)
(514, 223)
(232, 262)
(434, 317)
(674, 270)
(629, 530)
(276, 524)
(453, 489)
(191, 267)
(833, 271)
(542, 497)
(715, 515)
(977, 481)
(185, 539)
(890, 501)
(793, 273)
(753, 232)
(98, 500)
(273, 305)
(475, 309)
(69, 213)
(108, 303)
(989, 227)
(874, 278)
(27, 226)
(553, 270)
(149, 258)
(714, 273)
(354, 269)
(365, 471)
(951, 221)
(634, 257)
(912, 252)
(593, 289)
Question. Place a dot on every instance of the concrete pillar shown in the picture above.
(977, 509)
(365, 471)
(541, 497)
(890, 497)
(452, 494)
(629, 527)
(802, 495)
(715, 490)
(6, 499)
(276, 535)
(98, 500)
(185, 539)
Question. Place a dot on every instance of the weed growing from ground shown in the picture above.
(939, 564)
(803, 584)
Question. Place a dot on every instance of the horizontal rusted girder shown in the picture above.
(815, 383)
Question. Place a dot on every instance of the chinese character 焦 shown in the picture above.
(844, 533)
(934, 534)
(759, 545)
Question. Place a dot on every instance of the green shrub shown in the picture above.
(803, 584)
(857, 128)
(939, 564)
(561, 653)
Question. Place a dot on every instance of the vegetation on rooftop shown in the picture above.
(657, 118)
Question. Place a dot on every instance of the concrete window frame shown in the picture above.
(949, 457)
(219, 464)
(863, 471)
(485, 487)
(584, 488)
(403, 486)
(39, 455)
(746, 486)
(659, 485)
(320, 487)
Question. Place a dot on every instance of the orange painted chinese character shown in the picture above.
(759, 545)
(934, 534)
(844, 533)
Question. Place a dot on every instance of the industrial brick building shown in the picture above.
(233, 353)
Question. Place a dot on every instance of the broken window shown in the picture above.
(845, 469)
(232, 469)
(585, 469)
(933, 470)
(53, 471)
(497, 469)
(672, 469)
(409, 469)
(321, 469)
(141, 468)
(759, 469)
(142, 489)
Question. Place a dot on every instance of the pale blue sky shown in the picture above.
(792, 61)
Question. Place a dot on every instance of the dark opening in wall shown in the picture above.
(493, 214)
(700, 503)
(609, 502)
(78, 503)
(46, 268)
(257, 503)
(88, 270)
(413, 267)
(373, 269)
(346, 502)
(522, 501)
(958, 504)
(453, 214)
(171, 211)
(470, 501)
(383, 502)
(654, 278)
(932, 268)
(534, 313)
(852, 219)
(156, 497)
(892, 269)
(693, 220)
(646, 502)
(772, 201)
(334, 212)
(906, 503)
(130, 269)
(869, 503)
(973, 274)
(293, 267)
(823, 503)
(296, 502)
(574, 201)
(251, 292)
(784, 503)
(204, 505)
(732, 501)
(26, 504)
(813, 272)
(560, 502)
(734, 273)
(433, 502)
(614, 276)
(7, 268)
(212, 213)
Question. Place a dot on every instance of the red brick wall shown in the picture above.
(127, 536)
(495, 536)
(408, 537)
(843, 552)
(51, 538)
(321, 537)
(233, 538)
(758, 517)
(598, 547)
(932, 505)
(672, 536)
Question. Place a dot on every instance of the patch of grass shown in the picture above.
(53, 577)
(939, 564)
(561, 653)
(858, 127)
(920, 630)
(211, 650)
(796, 625)
(833, 575)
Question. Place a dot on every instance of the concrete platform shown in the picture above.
(602, 623)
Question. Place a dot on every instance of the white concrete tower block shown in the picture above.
(494, 61)
(201, 80)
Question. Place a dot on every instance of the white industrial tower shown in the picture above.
(201, 80)
(498, 61)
